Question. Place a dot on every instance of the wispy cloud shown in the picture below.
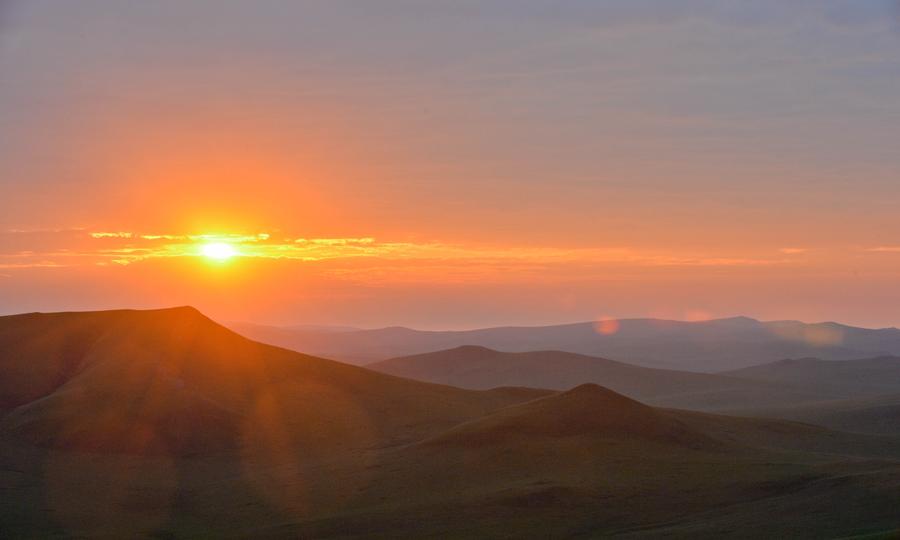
(111, 235)
(127, 247)
(40, 264)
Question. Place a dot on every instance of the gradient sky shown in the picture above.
(453, 164)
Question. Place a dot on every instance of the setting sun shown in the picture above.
(219, 251)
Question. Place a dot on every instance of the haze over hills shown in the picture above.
(482, 368)
(863, 377)
(869, 390)
(705, 346)
(165, 424)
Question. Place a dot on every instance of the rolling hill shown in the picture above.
(586, 410)
(589, 463)
(164, 424)
(136, 380)
(706, 346)
(481, 368)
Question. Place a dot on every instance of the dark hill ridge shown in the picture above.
(588, 410)
(707, 346)
(172, 380)
(481, 368)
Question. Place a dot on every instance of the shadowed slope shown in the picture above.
(591, 412)
(590, 463)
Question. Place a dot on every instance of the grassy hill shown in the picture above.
(148, 381)
(162, 424)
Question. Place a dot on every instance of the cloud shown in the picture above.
(70, 247)
(110, 235)
(46, 264)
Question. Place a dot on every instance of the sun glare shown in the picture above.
(219, 251)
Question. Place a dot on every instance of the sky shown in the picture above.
(453, 164)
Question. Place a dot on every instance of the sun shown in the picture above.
(219, 251)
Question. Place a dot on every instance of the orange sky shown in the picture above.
(452, 167)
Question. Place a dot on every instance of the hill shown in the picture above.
(707, 346)
(163, 424)
(482, 368)
(147, 381)
(587, 410)
(591, 463)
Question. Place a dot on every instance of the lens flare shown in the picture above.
(606, 326)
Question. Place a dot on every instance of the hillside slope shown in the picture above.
(588, 410)
(589, 463)
(148, 381)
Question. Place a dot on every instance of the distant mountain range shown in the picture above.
(705, 346)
